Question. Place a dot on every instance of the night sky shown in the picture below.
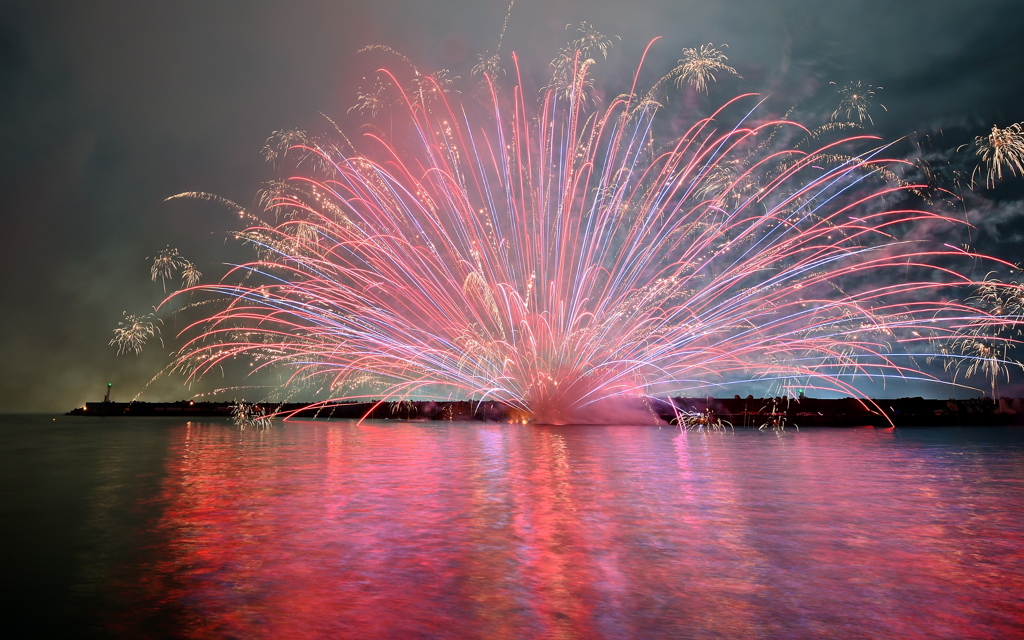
(109, 107)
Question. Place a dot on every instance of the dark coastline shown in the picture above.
(736, 411)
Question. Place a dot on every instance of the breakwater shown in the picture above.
(736, 411)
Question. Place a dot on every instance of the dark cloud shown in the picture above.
(108, 107)
(1002, 222)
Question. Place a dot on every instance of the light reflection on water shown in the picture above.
(332, 530)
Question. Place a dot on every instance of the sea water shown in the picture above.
(161, 528)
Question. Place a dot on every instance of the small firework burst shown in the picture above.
(700, 421)
(166, 262)
(279, 142)
(190, 274)
(856, 99)
(590, 42)
(244, 414)
(569, 79)
(983, 348)
(981, 355)
(488, 64)
(371, 101)
(427, 88)
(1002, 148)
(728, 182)
(698, 66)
(133, 333)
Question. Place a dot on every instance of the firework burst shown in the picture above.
(489, 63)
(590, 42)
(984, 347)
(570, 77)
(190, 274)
(552, 259)
(133, 333)
(165, 264)
(244, 414)
(698, 67)
(1002, 149)
(856, 100)
(429, 88)
(372, 98)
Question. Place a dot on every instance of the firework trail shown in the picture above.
(489, 63)
(553, 258)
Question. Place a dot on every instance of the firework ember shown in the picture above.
(556, 256)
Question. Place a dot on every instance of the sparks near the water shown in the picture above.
(553, 256)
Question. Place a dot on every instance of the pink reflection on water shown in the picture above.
(331, 530)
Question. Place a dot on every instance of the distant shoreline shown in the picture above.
(735, 411)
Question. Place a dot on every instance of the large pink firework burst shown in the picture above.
(553, 256)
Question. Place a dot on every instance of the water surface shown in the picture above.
(156, 528)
